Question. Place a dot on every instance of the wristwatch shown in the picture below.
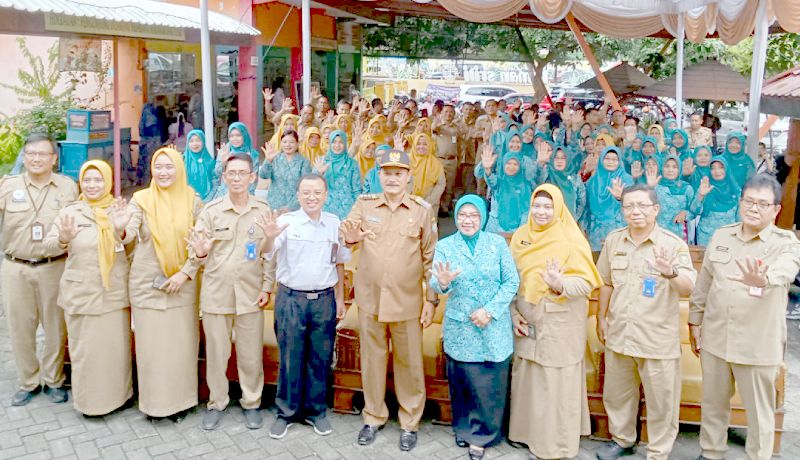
(672, 275)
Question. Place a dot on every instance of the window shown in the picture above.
(169, 73)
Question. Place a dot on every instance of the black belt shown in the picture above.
(310, 295)
(36, 262)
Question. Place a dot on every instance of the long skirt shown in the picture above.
(167, 343)
(100, 352)
(550, 409)
(478, 393)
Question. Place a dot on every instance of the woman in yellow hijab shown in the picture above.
(374, 131)
(343, 123)
(366, 156)
(288, 123)
(324, 143)
(656, 131)
(427, 171)
(93, 293)
(311, 146)
(163, 289)
(549, 405)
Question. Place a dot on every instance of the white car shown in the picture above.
(482, 93)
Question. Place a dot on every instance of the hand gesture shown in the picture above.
(321, 165)
(199, 241)
(754, 273)
(394, 106)
(364, 106)
(269, 152)
(174, 283)
(673, 151)
(616, 188)
(705, 187)
(267, 96)
(426, 318)
(694, 338)
(480, 317)
(688, 167)
(443, 274)
(402, 119)
(352, 232)
(67, 230)
(399, 140)
(488, 158)
(543, 155)
(172, 146)
(636, 170)
(269, 224)
(517, 103)
(223, 153)
(358, 129)
(520, 325)
(330, 117)
(553, 277)
(652, 176)
(541, 120)
(314, 92)
(591, 163)
(662, 261)
(288, 105)
(496, 124)
(122, 215)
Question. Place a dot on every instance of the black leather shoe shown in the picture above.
(253, 419)
(367, 435)
(461, 443)
(56, 395)
(613, 451)
(23, 397)
(408, 440)
(476, 454)
(211, 419)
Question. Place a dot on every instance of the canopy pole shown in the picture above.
(679, 76)
(117, 125)
(206, 55)
(306, 51)
(587, 50)
(757, 78)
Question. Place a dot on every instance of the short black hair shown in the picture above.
(41, 137)
(376, 101)
(239, 156)
(588, 111)
(640, 187)
(632, 118)
(767, 181)
(698, 114)
(292, 133)
(312, 176)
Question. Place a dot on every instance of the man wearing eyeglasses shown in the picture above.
(645, 269)
(29, 203)
(228, 240)
(737, 322)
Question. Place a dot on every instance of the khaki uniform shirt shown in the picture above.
(738, 327)
(484, 123)
(231, 283)
(395, 258)
(81, 291)
(446, 138)
(145, 266)
(641, 326)
(467, 145)
(19, 213)
(702, 137)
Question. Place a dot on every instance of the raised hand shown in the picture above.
(267, 96)
(288, 105)
(122, 214)
(705, 187)
(269, 152)
(488, 158)
(358, 129)
(402, 119)
(67, 230)
(636, 170)
(394, 106)
(662, 261)
(443, 274)
(314, 92)
(553, 277)
(688, 167)
(399, 140)
(352, 232)
(496, 124)
(269, 224)
(652, 177)
(223, 153)
(321, 165)
(364, 106)
(754, 273)
(591, 163)
(543, 155)
(616, 188)
(199, 241)
(330, 117)
(517, 103)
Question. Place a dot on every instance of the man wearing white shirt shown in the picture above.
(310, 298)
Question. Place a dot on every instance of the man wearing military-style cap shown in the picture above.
(397, 234)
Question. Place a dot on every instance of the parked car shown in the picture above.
(482, 93)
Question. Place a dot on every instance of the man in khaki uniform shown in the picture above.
(467, 148)
(737, 319)
(446, 134)
(485, 122)
(645, 269)
(228, 240)
(699, 134)
(29, 204)
(397, 232)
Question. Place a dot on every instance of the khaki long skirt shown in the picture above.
(167, 343)
(100, 352)
(549, 408)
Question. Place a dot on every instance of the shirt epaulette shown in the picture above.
(261, 200)
(368, 196)
(213, 202)
(421, 202)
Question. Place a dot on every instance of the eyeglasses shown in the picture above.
(747, 203)
(237, 174)
(32, 155)
(644, 207)
(474, 217)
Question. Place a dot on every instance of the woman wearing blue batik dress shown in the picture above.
(699, 168)
(284, 168)
(342, 174)
(675, 197)
(603, 192)
(477, 271)
(571, 185)
(738, 164)
(238, 142)
(716, 201)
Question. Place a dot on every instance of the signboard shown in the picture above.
(323, 43)
(94, 26)
(445, 93)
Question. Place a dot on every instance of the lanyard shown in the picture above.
(35, 209)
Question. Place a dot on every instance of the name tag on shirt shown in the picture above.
(377, 220)
(334, 252)
(649, 287)
(723, 248)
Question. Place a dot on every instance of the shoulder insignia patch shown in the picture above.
(684, 258)
(421, 202)
(796, 249)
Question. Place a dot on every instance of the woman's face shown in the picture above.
(637, 144)
(337, 146)
(589, 145)
(422, 126)
(602, 130)
(422, 146)
(195, 144)
(92, 184)
(542, 210)
(586, 130)
(290, 125)
(515, 144)
(734, 145)
(618, 118)
(326, 133)
(672, 125)
(503, 124)
(655, 133)
(677, 141)
(630, 122)
(703, 157)
(468, 220)
(313, 140)
(648, 148)
(374, 130)
(717, 171)
(343, 124)
(164, 171)
(369, 152)
(600, 144)
(235, 138)
(560, 160)
(671, 170)
(611, 162)
(288, 145)
(511, 168)
(527, 136)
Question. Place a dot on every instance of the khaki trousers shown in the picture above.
(450, 173)
(30, 296)
(661, 379)
(409, 376)
(248, 330)
(757, 388)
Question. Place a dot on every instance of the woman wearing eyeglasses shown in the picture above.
(284, 167)
(476, 270)
(716, 201)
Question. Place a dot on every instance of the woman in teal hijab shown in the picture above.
(700, 168)
(675, 197)
(238, 142)
(372, 182)
(528, 136)
(716, 200)
(570, 184)
(679, 144)
(199, 165)
(739, 165)
(343, 175)
(605, 213)
(633, 153)
(511, 188)
(649, 150)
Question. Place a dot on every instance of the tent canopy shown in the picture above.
(623, 78)
(707, 80)
(780, 95)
